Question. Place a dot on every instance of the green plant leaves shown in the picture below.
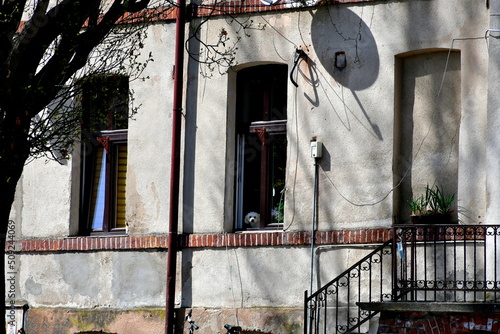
(434, 201)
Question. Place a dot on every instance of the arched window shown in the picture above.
(261, 145)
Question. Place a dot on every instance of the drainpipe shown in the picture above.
(175, 167)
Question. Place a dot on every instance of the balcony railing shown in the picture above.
(422, 263)
(448, 263)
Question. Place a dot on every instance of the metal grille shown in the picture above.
(423, 263)
(448, 263)
(334, 309)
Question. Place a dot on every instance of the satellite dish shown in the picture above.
(269, 2)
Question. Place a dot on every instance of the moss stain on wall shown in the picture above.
(92, 320)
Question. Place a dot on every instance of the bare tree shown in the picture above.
(48, 46)
(45, 47)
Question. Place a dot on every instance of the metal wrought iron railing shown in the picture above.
(334, 309)
(448, 263)
(422, 263)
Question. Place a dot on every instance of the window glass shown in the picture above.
(261, 146)
(104, 154)
(98, 190)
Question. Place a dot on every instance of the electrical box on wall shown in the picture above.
(316, 149)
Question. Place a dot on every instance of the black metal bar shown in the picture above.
(436, 249)
(325, 307)
(359, 290)
(306, 306)
(343, 289)
(466, 278)
(495, 234)
(475, 263)
(336, 308)
(495, 268)
(439, 276)
(485, 263)
(455, 278)
(413, 263)
(394, 256)
(349, 295)
(404, 268)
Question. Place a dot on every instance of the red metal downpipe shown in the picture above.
(175, 167)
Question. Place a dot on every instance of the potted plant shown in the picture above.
(434, 207)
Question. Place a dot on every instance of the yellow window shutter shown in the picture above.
(121, 174)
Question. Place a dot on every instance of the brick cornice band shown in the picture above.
(247, 239)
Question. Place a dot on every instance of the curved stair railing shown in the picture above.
(333, 308)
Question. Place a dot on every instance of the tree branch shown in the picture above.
(73, 52)
(43, 30)
(10, 18)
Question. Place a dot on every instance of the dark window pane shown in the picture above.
(261, 143)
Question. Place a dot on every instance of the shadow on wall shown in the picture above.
(337, 29)
(347, 51)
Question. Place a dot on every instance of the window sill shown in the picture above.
(114, 233)
(269, 228)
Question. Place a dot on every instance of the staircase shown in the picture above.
(421, 265)
(334, 309)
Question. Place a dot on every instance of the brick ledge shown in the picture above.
(250, 239)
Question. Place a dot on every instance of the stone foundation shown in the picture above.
(148, 321)
(64, 321)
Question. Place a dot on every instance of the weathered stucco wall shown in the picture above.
(351, 111)
(47, 197)
(259, 289)
(119, 280)
(245, 278)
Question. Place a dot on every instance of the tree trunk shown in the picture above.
(14, 152)
(7, 198)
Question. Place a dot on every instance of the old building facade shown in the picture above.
(397, 94)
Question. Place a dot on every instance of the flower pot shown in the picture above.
(437, 218)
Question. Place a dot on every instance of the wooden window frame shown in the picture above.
(265, 131)
(111, 139)
(108, 140)
(266, 123)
